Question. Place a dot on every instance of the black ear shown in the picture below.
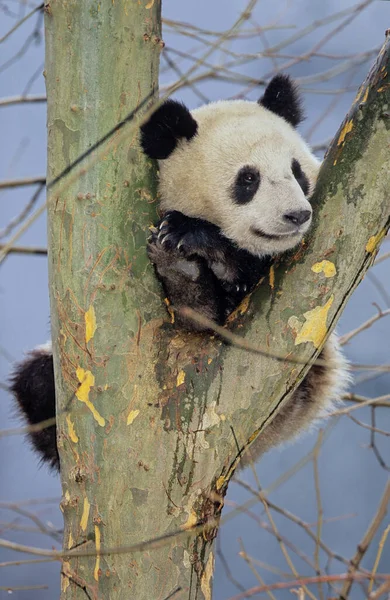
(167, 125)
(281, 96)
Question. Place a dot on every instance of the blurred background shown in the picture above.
(328, 485)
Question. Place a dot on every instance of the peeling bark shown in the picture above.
(149, 417)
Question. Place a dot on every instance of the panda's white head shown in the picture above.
(240, 165)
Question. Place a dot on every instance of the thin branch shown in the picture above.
(19, 23)
(13, 183)
(364, 400)
(366, 540)
(22, 588)
(348, 336)
(25, 250)
(307, 580)
(22, 100)
(23, 214)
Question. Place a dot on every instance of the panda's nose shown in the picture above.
(298, 217)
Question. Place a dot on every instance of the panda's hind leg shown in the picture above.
(317, 395)
(32, 384)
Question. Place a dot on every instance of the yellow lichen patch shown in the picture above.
(90, 323)
(85, 515)
(133, 414)
(180, 378)
(65, 574)
(220, 481)
(170, 310)
(87, 380)
(253, 436)
(205, 582)
(314, 330)
(375, 240)
(244, 305)
(346, 129)
(326, 267)
(149, 4)
(191, 521)
(364, 99)
(71, 430)
(70, 541)
(97, 543)
(272, 277)
(209, 361)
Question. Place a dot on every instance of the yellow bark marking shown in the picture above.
(170, 310)
(97, 543)
(149, 4)
(87, 380)
(364, 99)
(244, 305)
(180, 378)
(346, 129)
(326, 267)
(205, 581)
(191, 521)
(71, 430)
(209, 361)
(375, 240)
(85, 515)
(70, 541)
(272, 277)
(133, 414)
(220, 481)
(90, 323)
(65, 575)
(314, 330)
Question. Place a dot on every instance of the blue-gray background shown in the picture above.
(351, 478)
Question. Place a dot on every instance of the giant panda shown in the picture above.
(235, 182)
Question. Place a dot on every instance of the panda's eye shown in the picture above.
(300, 176)
(246, 184)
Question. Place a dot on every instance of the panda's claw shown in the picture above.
(166, 240)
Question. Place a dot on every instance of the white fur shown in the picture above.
(197, 178)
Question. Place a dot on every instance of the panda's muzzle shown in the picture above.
(297, 217)
(268, 236)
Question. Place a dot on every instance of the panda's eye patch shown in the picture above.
(300, 176)
(245, 185)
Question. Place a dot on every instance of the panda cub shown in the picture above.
(235, 179)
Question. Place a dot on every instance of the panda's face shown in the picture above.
(247, 171)
(240, 165)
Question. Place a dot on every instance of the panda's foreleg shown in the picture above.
(317, 395)
(201, 268)
(187, 282)
(32, 383)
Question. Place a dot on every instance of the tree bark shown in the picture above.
(152, 421)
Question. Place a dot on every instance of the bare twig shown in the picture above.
(366, 325)
(25, 250)
(22, 100)
(19, 23)
(366, 541)
(13, 183)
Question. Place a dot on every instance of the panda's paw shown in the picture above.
(170, 264)
(191, 237)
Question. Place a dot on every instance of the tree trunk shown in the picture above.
(149, 418)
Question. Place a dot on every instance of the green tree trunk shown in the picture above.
(149, 418)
